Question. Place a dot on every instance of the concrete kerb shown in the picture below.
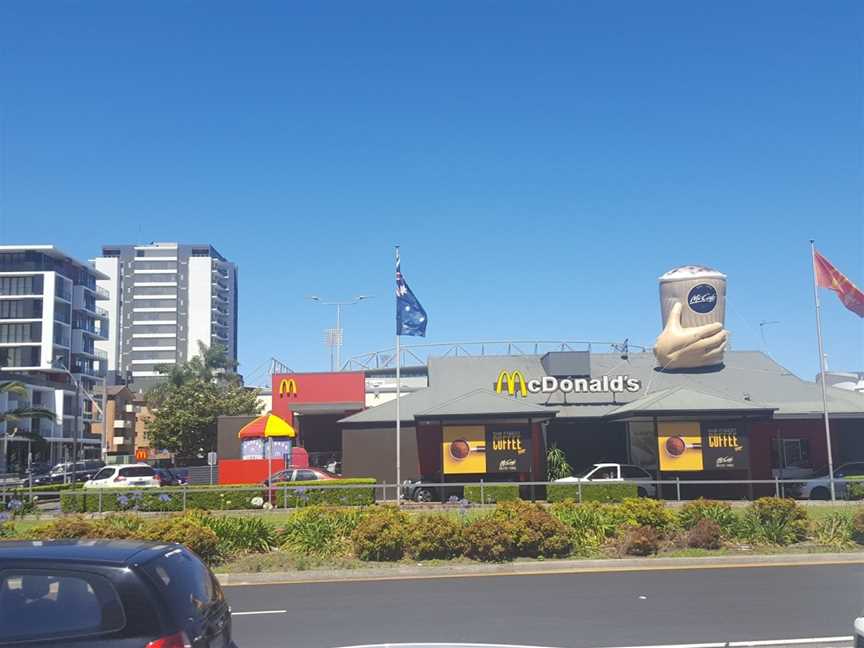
(536, 568)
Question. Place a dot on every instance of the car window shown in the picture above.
(137, 471)
(46, 606)
(186, 583)
(604, 472)
(306, 475)
(634, 472)
(105, 473)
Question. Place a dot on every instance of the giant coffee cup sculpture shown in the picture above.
(693, 306)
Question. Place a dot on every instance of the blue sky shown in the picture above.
(540, 163)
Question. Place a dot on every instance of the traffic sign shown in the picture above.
(212, 457)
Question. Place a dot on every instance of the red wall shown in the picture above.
(762, 433)
(255, 471)
(326, 387)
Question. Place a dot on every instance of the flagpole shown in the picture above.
(822, 372)
(398, 417)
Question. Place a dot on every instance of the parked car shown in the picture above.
(172, 477)
(819, 488)
(89, 465)
(138, 475)
(419, 490)
(300, 474)
(109, 594)
(613, 472)
(52, 478)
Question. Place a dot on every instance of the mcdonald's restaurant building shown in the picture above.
(494, 417)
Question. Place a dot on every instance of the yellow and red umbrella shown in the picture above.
(268, 425)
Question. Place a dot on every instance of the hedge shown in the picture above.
(616, 492)
(221, 497)
(492, 493)
(304, 493)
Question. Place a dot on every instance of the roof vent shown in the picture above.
(567, 364)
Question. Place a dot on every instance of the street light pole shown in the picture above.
(335, 340)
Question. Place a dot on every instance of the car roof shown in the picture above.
(132, 465)
(106, 552)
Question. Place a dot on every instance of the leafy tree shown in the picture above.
(185, 407)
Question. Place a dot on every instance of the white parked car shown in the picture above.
(819, 487)
(859, 632)
(138, 475)
(613, 472)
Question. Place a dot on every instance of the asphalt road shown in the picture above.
(573, 610)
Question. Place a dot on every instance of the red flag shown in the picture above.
(827, 276)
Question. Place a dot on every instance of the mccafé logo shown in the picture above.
(288, 387)
(514, 380)
(702, 298)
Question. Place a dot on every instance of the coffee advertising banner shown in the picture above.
(724, 446)
(508, 451)
(690, 446)
(474, 449)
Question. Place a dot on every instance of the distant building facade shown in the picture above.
(50, 326)
(165, 299)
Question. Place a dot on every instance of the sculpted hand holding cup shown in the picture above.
(693, 305)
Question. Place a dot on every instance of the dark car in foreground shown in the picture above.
(114, 593)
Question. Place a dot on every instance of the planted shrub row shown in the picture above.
(222, 497)
(617, 492)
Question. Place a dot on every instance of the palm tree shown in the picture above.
(16, 388)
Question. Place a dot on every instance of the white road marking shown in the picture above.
(259, 612)
(717, 644)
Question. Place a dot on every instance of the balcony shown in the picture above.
(129, 409)
(119, 441)
(85, 369)
(102, 293)
(122, 424)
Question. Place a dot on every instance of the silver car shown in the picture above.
(819, 488)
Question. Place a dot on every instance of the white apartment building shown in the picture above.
(49, 327)
(164, 299)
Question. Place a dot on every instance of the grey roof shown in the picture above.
(682, 399)
(747, 377)
(485, 402)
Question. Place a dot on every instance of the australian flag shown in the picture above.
(410, 316)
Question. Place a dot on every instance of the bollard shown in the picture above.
(184, 497)
(678, 487)
(285, 497)
(482, 495)
(579, 490)
(100, 500)
(776, 487)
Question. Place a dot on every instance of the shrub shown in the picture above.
(773, 520)
(534, 531)
(647, 513)
(590, 524)
(616, 492)
(319, 530)
(705, 534)
(492, 493)
(719, 512)
(381, 534)
(640, 541)
(7, 530)
(433, 537)
(855, 490)
(238, 534)
(834, 530)
(858, 527)
(71, 527)
(186, 530)
(488, 540)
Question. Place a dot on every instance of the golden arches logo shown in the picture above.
(287, 387)
(511, 377)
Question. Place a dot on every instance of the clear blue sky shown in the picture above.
(541, 163)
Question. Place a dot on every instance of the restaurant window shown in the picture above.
(793, 453)
(643, 444)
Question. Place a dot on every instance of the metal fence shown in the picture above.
(483, 493)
